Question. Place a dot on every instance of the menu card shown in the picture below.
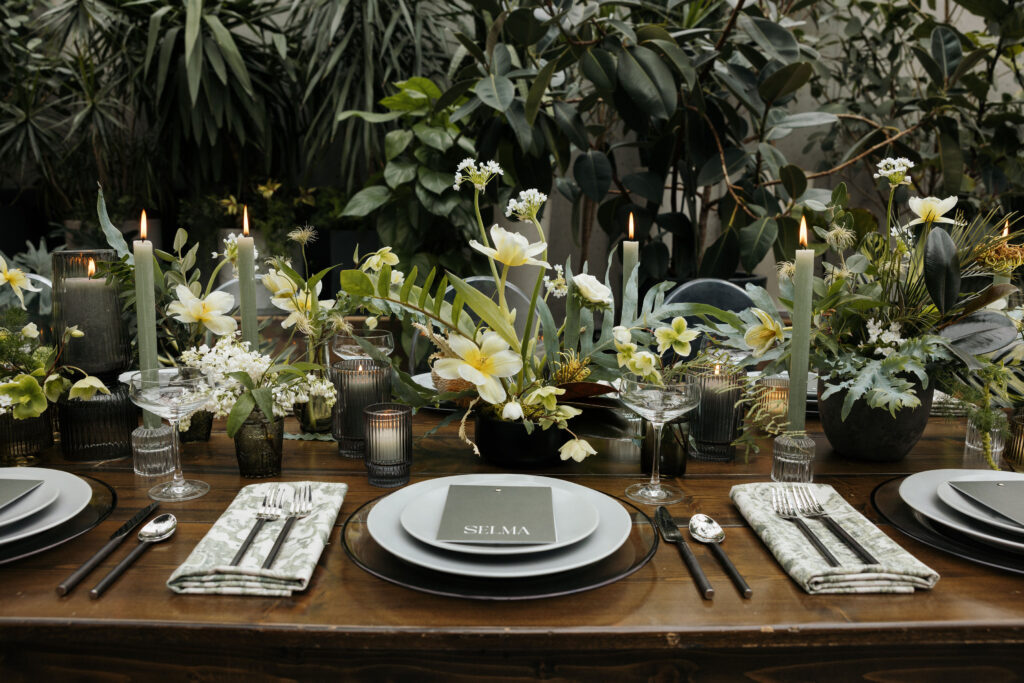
(500, 515)
(1003, 497)
(13, 489)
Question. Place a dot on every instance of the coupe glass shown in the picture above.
(658, 404)
(346, 346)
(172, 396)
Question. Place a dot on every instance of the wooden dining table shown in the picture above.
(650, 625)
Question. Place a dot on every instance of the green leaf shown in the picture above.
(568, 120)
(647, 80)
(497, 92)
(264, 399)
(711, 172)
(678, 58)
(952, 164)
(930, 66)
(786, 80)
(946, 50)
(599, 66)
(395, 143)
(807, 119)
(981, 332)
(410, 280)
(152, 34)
(437, 182)
(399, 171)
(371, 116)
(647, 184)
(240, 413)
(384, 281)
(193, 15)
(230, 51)
(194, 79)
(793, 179)
(537, 90)
(488, 311)
(941, 269)
(593, 173)
(365, 201)
(242, 378)
(114, 237)
(472, 48)
(772, 38)
(425, 290)
(357, 283)
(756, 240)
(433, 136)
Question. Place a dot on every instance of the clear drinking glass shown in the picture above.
(172, 396)
(658, 404)
(346, 346)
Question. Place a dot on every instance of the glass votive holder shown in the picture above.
(772, 400)
(22, 440)
(716, 421)
(975, 455)
(83, 297)
(793, 458)
(99, 428)
(152, 451)
(360, 382)
(388, 444)
(1014, 451)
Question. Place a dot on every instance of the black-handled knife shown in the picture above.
(670, 532)
(116, 539)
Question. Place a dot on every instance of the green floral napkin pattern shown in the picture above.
(898, 571)
(206, 570)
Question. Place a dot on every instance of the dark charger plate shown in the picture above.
(886, 499)
(638, 549)
(99, 508)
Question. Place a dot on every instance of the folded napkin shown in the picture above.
(899, 571)
(207, 569)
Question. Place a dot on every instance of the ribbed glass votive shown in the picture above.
(1014, 453)
(360, 382)
(773, 400)
(716, 422)
(793, 458)
(388, 444)
(975, 456)
(21, 440)
(97, 429)
(91, 304)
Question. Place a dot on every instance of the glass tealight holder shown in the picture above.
(793, 458)
(772, 395)
(388, 430)
(1014, 452)
(152, 451)
(974, 444)
(716, 422)
(360, 382)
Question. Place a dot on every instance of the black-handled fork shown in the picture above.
(786, 509)
(809, 506)
(301, 505)
(269, 509)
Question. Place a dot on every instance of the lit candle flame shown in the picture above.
(1006, 228)
(718, 369)
(360, 368)
(245, 220)
(142, 225)
(630, 225)
(803, 231)
(92, 268)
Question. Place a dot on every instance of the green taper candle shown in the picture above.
(800, 345)
(145, 310)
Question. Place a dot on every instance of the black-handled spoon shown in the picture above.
(708, 531)
(159, 529)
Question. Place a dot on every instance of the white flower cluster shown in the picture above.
(904, 234)
(230, 253)
(888, 339)
(479, 174)
(557, 286)
(526, 207)
(6, 404)
(895, 170)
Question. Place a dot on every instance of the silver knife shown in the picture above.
(670, 532)
(115, 540)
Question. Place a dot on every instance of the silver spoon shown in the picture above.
(159, 529)
(708, 531)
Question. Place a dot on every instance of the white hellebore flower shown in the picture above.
(676, 337)
(512, 411)
(622, 334)
(762, 337)
(931, 209)
(278, 284)
(482, 365)
(300, 304)
(379, 259)
(591, 289)
(211, 312)
(644, 364)
(31, 331)
(577, 449)
(17, 279)
(511, 248)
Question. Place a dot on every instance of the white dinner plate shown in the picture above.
(32, 502)
(73, 495)
(575, 519)
(976, 511)
(920, 492)
(385, 526)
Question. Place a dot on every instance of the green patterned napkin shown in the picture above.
(206, 570)
(899, 571)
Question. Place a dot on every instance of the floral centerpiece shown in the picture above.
(510, 377)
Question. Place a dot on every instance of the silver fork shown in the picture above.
(301, 506)
(786, 509)
(809, 506)
(269, 509)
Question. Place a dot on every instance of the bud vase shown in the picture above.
(258, 447)
(199, 427)
(21, 440)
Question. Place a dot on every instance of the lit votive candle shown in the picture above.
(360, 382)
(388, 432)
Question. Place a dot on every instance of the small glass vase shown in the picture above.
(199, 427)
(258, 447)
(975, 446)
(99, 428)
(1014, 451)
(21, 440)
(314, 416)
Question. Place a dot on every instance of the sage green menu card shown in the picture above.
(497, 515)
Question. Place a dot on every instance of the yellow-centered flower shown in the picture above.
(211, 312)
(482, 366)
(762, 337)
(511, 248)
(931, 209)
(17, 279)
(675, 336)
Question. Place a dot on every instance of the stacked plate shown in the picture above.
(934, 496)
(56, 499)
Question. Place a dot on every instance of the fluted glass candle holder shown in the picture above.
(793, 458)
(92, 304)
(773, 401)
(388, 429)
(360, 383)
(1014, 453)
(716, 422)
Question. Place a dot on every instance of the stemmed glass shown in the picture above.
(346, 346)
(658, 404)
(172, 396)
